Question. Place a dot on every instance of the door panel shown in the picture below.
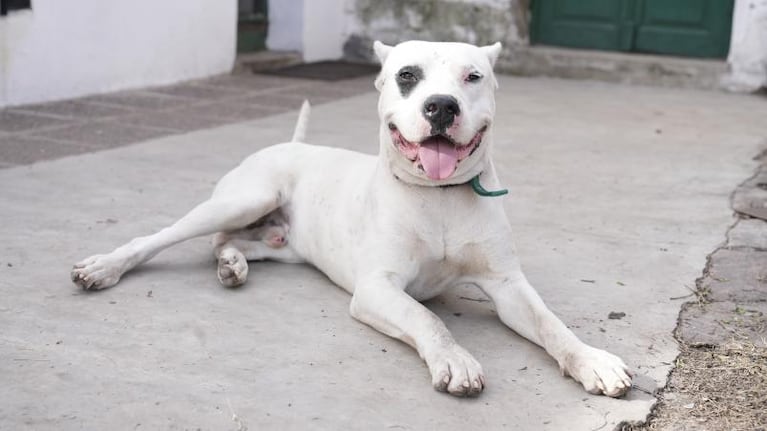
(579, 24)
(697, 28)
(594, 9)
(685, 27)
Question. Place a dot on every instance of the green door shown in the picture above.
(252, 25)
(692, 28)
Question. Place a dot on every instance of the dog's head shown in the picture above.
(436, 108)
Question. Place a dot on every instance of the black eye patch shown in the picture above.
(473, 77)
(407, 78)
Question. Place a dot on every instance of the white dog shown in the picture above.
(392, 230)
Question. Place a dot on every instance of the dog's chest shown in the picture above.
(456, 259)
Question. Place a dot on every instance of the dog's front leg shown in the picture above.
(382, 303)
(521, 309)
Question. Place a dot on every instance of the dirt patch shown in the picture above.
(714, 388)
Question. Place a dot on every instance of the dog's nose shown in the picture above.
(440, 110)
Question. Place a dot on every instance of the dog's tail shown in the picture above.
(299, 133)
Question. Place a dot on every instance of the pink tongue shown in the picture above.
(438, 158)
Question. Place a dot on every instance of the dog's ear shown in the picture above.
(492, 52)
(382, 50)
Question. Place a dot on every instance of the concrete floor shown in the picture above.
(617, 196)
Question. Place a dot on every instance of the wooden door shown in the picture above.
(692, 28)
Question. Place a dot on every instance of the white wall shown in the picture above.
(748, 47)
(316, 28)
(69, 48)
(325, 23)
(286, 23)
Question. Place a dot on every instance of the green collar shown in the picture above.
(478, 189)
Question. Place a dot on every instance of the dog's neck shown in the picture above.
(476, 186)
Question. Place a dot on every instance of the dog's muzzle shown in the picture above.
(436, 155)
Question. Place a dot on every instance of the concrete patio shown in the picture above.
(618, 194)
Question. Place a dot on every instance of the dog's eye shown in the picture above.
(408, 78)
(473, 77)
(406, 75)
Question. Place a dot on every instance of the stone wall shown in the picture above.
(479, 22)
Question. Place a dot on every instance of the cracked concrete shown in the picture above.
(618, 194)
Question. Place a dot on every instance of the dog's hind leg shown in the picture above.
(233, 255)
(223, 212)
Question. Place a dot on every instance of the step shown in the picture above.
(642, 69)
(265, 60)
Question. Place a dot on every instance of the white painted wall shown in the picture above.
(316, 28)
(286, 23)
(748, 47)
(325, 24)
(69, 48)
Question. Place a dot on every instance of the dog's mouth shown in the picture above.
(436, 155)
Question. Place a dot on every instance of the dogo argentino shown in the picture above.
(392, 230)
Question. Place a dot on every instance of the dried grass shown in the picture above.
(714, 388)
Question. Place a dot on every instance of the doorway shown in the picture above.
(252, 25)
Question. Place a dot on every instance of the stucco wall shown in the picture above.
(474, 21)
(64, 49)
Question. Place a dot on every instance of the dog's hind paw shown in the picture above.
(96, 273)
(598, 371)
(232, 268)
(455, 370)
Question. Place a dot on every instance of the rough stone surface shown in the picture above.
(737, 275)
(629, 191)
(719, 323)
(613, 67)
(751, 197)
(749, 233)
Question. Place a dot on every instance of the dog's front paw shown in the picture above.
(598, 371)
(455, 370)
(232, 267)
(96, 272)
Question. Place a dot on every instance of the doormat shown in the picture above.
(325, 70)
